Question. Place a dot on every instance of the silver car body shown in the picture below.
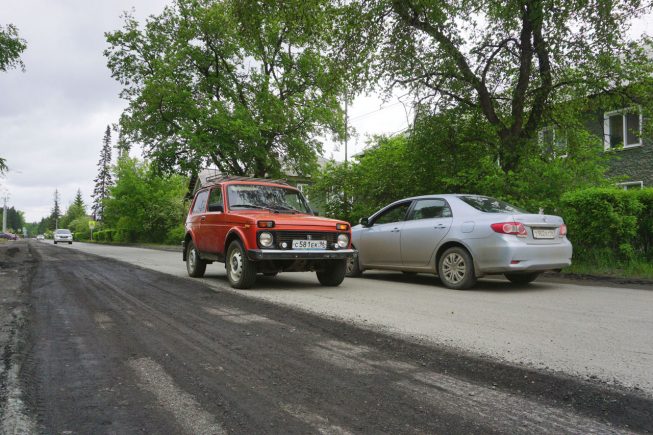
(415, 243)
(63, 235)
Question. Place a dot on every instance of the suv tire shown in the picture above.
(522, 278)
(241, 272)
(194, 264)
(456, 269)
(333, 273)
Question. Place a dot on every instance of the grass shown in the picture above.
(610, 266)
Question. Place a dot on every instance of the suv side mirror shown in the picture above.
(364, 222)
(216, 207)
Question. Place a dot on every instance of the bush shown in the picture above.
(609, 222)
(176, 235)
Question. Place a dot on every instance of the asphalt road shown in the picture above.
(116, 348)
(590, 331)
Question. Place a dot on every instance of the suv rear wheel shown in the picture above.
(241, 272)
(456, 269)
(333, 273)
(194, 264)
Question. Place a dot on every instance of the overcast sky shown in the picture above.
(53, 116)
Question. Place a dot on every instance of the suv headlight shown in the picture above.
(343, 240)
(265, 239)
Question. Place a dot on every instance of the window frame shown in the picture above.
(206, 204)
(623, 112)
(554, 130)
(388, 209)
(411, 212)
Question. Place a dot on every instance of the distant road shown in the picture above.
(116, 348)
(588, 331)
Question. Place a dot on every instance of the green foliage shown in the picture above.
(609, 222)
(244, 85)
(446, 154)
(75, 211)
(176, 235)
(15, 220)
(143, 206)
(510, 64)
(11, 47)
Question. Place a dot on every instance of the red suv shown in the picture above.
(262, 226)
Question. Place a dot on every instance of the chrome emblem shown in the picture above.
(309, 237)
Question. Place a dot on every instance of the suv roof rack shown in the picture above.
(220, 177)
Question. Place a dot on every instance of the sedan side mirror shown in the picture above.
(364, 222)
(216, 207)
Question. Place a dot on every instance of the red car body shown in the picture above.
(213, 226)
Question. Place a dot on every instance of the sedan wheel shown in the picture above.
(456, 269)
(352, 267)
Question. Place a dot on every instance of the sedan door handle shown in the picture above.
(395, 230)
(440, 227)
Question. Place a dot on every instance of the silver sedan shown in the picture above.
(460, 238)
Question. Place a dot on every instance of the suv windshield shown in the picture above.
(490, 205)
(62, 232)
(256, 196)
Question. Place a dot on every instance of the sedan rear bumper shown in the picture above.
(517, 256)
(290, 254)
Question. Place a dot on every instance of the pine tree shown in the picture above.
(103, 180)
(78, 202)
(55, 215)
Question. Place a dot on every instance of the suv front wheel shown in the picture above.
(333, 273)
(241, 272)
(194, 264)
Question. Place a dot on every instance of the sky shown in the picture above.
(53, 115)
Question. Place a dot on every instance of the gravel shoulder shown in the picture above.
(16, 271)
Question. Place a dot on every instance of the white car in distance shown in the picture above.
(63, 235)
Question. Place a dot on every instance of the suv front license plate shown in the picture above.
(309, 244)
(544, 234)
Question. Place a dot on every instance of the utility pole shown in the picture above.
(4, 214)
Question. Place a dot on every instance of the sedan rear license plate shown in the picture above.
(309, 244)
(544, 234)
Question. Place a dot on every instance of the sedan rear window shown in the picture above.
(487, 204)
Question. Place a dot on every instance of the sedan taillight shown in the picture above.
(516, 228)
(563, 230)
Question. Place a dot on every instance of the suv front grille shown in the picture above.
(289, 236)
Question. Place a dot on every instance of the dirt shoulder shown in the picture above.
(16, 271)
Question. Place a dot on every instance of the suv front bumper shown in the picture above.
(290, 254)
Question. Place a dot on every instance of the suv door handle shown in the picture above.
(202, 218)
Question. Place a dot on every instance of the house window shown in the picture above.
(552, 141)
(631, 185)
(622, 128)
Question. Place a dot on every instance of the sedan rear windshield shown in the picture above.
(487, 204)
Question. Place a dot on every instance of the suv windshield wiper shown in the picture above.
(287, 208)
(251, 206)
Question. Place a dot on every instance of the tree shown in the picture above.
(103, 180)
(15, 219)
(144, 206)
(511, 62)
(75, 211)
(244, 85)
(11, 47)
(55, 215)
